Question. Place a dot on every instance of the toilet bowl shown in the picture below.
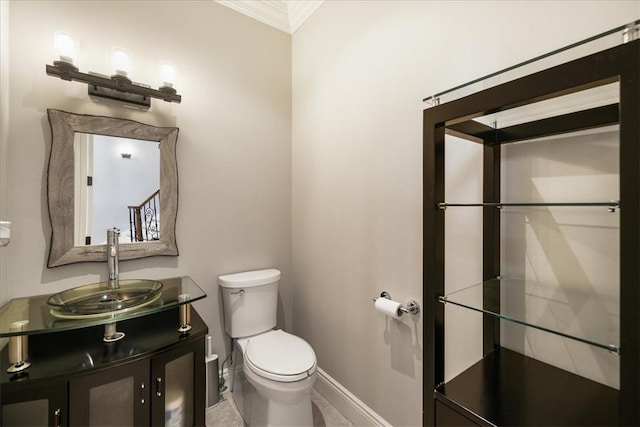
(274, 371)
(282, 369)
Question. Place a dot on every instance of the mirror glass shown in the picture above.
(132, 171)
(117, 184)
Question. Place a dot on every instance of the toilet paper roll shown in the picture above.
(389, 307)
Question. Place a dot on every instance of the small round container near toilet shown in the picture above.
(278, 369)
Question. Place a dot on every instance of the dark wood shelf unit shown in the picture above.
(505, 387)
(508, 388)
(579, 120)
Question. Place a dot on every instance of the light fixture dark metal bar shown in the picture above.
(116, 87)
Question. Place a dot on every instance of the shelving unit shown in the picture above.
(506, 387)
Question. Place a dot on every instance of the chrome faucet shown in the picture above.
(113, 236)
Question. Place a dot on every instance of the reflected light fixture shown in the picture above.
(118, 86)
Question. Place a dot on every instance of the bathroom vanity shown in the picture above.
(155, 375)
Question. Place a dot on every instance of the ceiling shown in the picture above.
(285, 15)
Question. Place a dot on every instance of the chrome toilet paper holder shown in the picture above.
(411, 307)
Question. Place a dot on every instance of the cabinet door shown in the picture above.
(117, 396)
(35, 405)
(178, 393)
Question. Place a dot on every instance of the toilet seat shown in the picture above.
(280, 356)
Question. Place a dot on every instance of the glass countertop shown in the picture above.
(571, 312)
(36, 316)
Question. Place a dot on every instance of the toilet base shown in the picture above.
(297, 414)
(286, 409)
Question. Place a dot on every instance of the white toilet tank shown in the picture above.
(250, 301)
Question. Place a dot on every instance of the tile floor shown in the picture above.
(225, 413)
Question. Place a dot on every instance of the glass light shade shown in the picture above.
(120, 62)
(168, 74)
(66, 46)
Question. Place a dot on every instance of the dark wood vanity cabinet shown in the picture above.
(116, 396)
(153, 376)
(38, 404)
(172, 386)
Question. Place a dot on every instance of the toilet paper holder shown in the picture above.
(411, 307)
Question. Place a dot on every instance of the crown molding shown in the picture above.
(300, 11)
(285, 15)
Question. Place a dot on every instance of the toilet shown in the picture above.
(273, 371)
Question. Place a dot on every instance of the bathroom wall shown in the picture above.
(4, 124)
(233, 150)
(342, 204)
(360, 72)
(578, 248)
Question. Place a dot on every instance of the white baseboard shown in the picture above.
(344, 401)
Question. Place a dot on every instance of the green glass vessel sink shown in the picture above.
(100, 299)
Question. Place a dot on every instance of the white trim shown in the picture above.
(300, 11)
(271, 12)
(344, 401)
(285, 15)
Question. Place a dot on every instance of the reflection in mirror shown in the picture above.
(117, 184)
(115, 153)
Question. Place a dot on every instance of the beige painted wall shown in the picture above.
(360, 71)
(4, 124)
(234, 161)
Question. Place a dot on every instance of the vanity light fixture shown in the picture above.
(120, 62)
(118, 86)
(66, 47)
(168, 74)
(126, 155)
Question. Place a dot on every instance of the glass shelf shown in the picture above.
(570, 312)
(612, 205)
(599, 42)
(175, 291)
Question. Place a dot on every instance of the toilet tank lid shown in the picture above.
(249, 278)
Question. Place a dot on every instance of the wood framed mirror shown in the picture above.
(70, 210)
